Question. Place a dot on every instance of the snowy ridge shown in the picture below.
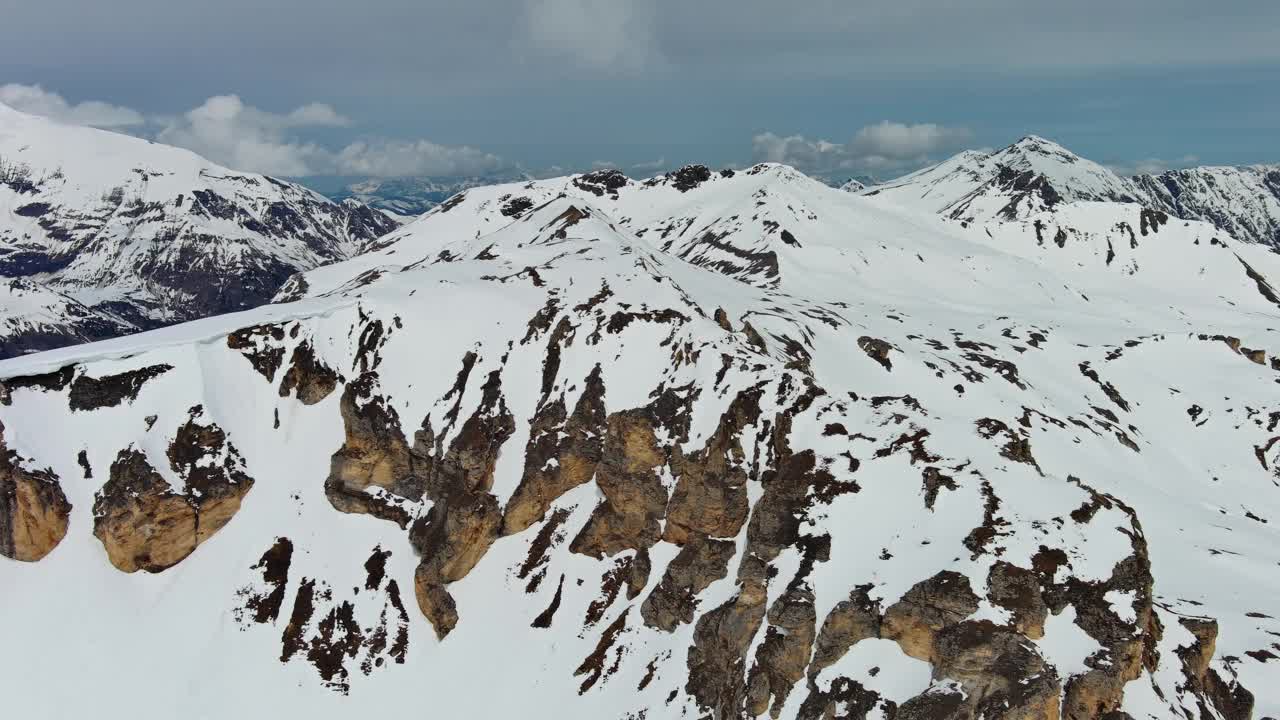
(1035, 174)
(712, 444)
(1243, 201)
(144, 235)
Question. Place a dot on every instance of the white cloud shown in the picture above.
(226, 130)
(36, 100)
(599, 33)
(884, 146)
(396, 158)
(652, 165)
(1153, 166)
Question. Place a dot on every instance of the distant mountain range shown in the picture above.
(103, 234)
(1035, 174)
(407, 196)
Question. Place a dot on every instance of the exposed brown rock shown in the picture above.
(699, 563)
(776, 517)
(89, 393)
(594, 665)
(877, 350)
(562, 454)
(634, 498)
(1002, 674)
(436, 604)
(935, 481)
(721, 637)
(1018, 590)
(783, 655)
(465, 518)
(144, 524)
(633, 572)
(456, 534)
(1256, 356)
(927, 608)
(261, 346)
(849, 699)
(1208, 687)
(34, 512)
(710, 496)
(375, 456)
(753, 337)
(942, 702)
(308, 376)
(213, 471)
(722, 319)
(849, 623)
(264, 607)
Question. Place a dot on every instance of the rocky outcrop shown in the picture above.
(710, 497)
(1018, 591)
(307, 376)
(849, 622)
(699, 563)
(142, 523)
(562, 453)
(721, 638)
(88, 393)
(261, 346)
(34, 512)
(1001, 673)
(465, 518)
(375, 468)
(634, 499)
(782, 657)
(145, 524)
(928, 607)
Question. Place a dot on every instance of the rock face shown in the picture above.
(1241, 201)
(633, 469)
(107, 234)
(144, 524)
(34, 512)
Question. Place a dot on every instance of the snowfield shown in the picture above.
(715, 444)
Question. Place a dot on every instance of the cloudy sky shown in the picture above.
(395, 87)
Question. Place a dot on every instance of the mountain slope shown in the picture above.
(1243, 201)
(638, 453)
(33, 318)
(151, 235)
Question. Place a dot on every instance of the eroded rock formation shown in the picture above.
(34, 512)
(144, 523)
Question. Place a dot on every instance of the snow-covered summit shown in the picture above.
(1035, 174)
(144, 234)
(1031, 175)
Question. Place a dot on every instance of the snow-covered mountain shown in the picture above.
(1029, 176)
(715, 444)
(1244, 201)
(112, 233)
(1035, 174)
(405, 197)
(853, 185)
